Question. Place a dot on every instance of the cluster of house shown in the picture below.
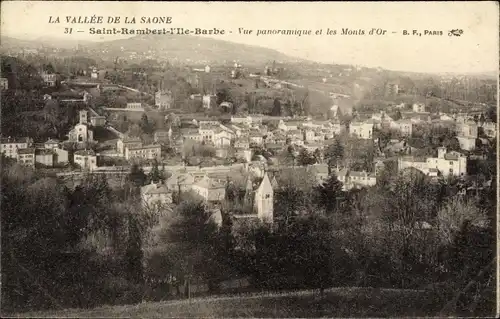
(258, 196)
(48, 154)
(447, 163)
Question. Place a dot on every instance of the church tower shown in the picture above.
(249, 194)
(83, 117)
(264, 200)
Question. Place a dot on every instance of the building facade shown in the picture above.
(163, 100)
(146, 152)
(361, 130)
(86, 159)
(9, 146)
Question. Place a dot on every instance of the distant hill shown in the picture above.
(47, 42)
(191, 49)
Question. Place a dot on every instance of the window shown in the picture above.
(451, 163)
(267, 196)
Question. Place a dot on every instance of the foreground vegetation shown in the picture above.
(337, 302)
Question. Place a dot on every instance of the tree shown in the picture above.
(134, 254)
(452, 144)
(192, 234)
(136, 177)
(318, 156)
(334, 153)
(134, 130)
(455, 213)
(329, 194)
(305, 158)
(145, 125)
(276, 111)
(155, 174)
(397, 116)
(173, 120)
(491, 113)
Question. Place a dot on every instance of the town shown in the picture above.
(239, 160)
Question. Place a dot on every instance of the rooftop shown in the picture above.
(85, 153)
(131, 140)
(7, 140)
(320, 168)
(26, 151)
(44, 151)
(144, 147)
(209, 183)
(52, 141)
(155, 189)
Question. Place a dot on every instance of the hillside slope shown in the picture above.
(191, 49)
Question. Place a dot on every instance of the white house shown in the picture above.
(354, 179)
(222, 138)
(490, 129)
(405, 127)
(126, 142)
(418, 107)
(4, 83)
(155, 194)
(256, 138)
(86, 159)
(163, 99)
(467, 129)
(362, 130)
(9, 146)
(145, 152)
(447, 163)
(26, 156)
(209, 101)
(467, 143)
(210, 190)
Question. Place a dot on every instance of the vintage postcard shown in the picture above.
(249, 159)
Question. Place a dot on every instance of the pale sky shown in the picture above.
(475, 51)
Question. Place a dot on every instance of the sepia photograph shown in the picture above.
(248, 159)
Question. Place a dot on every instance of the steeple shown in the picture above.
(249, 192)
(274, 183)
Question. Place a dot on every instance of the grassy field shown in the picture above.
(336, 302)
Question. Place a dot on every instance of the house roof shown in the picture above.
(293, 123)
(320, 168)
(413, 159)
(209, 183)
(131, 140)
(26, 151)
(161, 132)
(85, 153)
(155, 189)
(181, 178)
(8, 140)
(255, 134)
(361, 174)
(144, 147)
(294, 132)
(44, 151)
(342, 172)
(451, 157)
